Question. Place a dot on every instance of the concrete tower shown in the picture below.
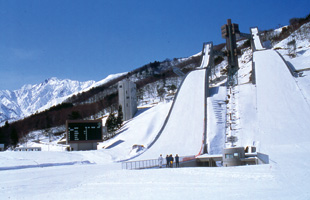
(127, 97)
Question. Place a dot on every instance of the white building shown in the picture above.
(127, 97)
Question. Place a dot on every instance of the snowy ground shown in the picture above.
(109, 182)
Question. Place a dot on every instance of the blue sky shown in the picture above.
(90, 39)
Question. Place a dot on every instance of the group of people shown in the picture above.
(169, 161)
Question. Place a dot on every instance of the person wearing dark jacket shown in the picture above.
(167, 161)
(160, 161)
(177, 164)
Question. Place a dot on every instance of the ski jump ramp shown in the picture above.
(185, 127)
(207, 51)
(256, 40)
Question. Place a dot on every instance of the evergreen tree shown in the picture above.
(14, 137)
(75, 115)
(5, 134)
(111, 123)
(6, 125)
(119, 119)
(2, 139)
(172, 87)
(161, 93)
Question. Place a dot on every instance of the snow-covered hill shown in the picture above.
(30, 99)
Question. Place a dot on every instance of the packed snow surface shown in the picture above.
(140, 131)
(183, 134)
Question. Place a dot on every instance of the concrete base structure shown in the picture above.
(233, 157)
(209, 160)
(83, 146)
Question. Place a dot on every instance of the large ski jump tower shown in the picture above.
(229, 32)
(127, 98)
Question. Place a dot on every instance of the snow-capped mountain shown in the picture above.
(32, 98)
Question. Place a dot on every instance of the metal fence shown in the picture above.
(153, 163)
(141, 164)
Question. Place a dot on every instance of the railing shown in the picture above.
(153, 163)
(27, 149)
(141, 164)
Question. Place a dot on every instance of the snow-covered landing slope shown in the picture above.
(282, 109)
(183, 132)
(141, 130)
(216, 120)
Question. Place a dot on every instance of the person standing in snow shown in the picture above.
(160, 161)
(167, 161)
(177, 164)
(171, 160)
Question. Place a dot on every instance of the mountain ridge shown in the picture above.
(29, 98)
